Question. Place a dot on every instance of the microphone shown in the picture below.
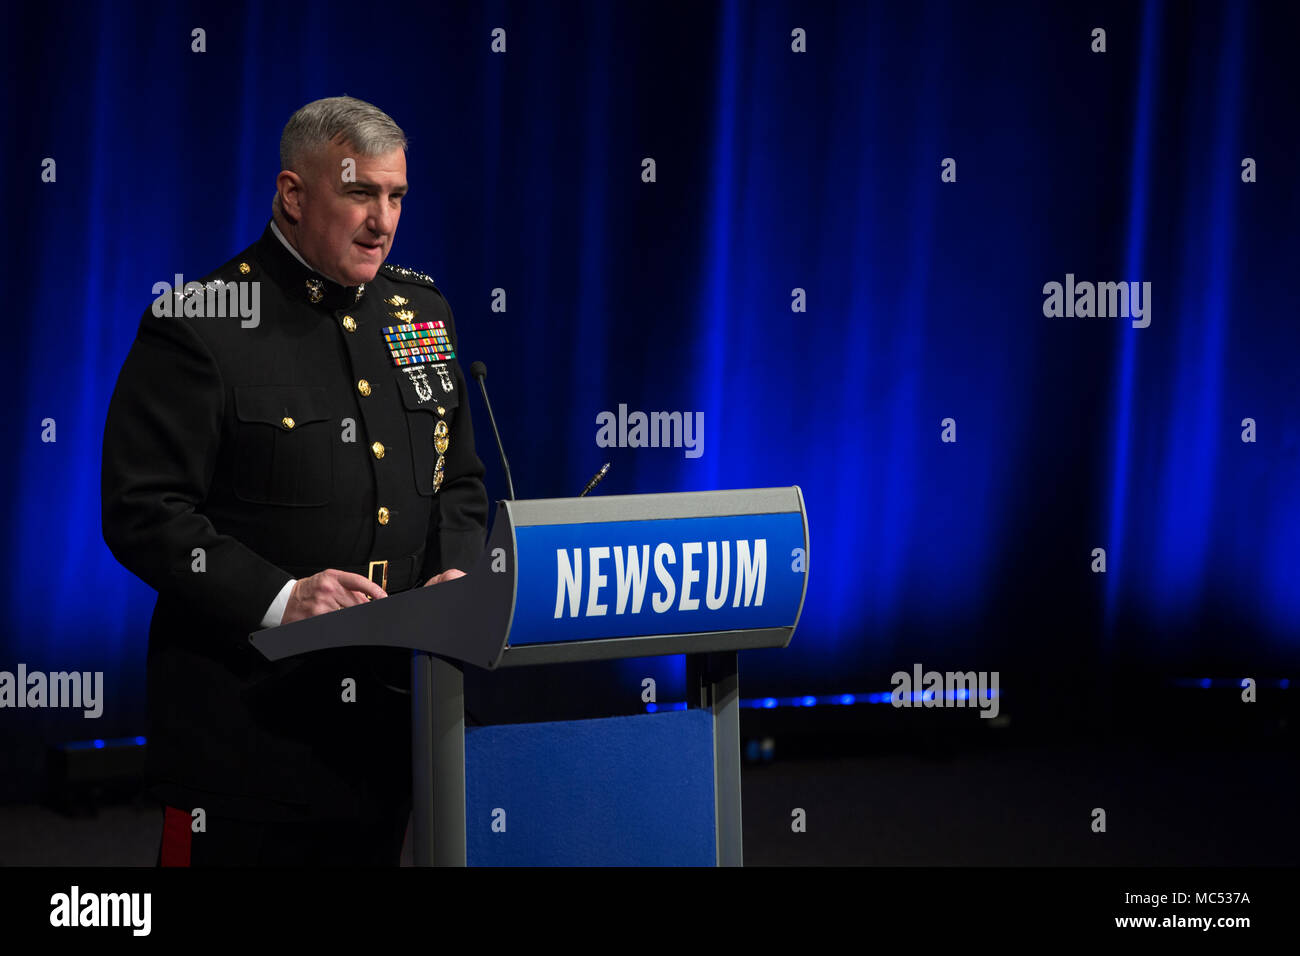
(595, 479)
(479, 371)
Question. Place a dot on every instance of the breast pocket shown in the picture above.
(283, 446)
(431, 396)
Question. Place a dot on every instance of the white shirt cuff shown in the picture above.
(275, 613)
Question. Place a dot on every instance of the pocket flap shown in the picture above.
(277, 404)
(428, 386)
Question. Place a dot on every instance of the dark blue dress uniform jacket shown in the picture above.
(234, 440)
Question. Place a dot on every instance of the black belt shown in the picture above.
(392, 574)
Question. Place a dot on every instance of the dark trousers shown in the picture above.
(371, 841)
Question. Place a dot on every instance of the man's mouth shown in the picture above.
(371, 248)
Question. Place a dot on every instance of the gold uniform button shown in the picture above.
(349, 323)
(378, 449)
(245, 268)
(383, 516)
(287, 422)
(363, 387)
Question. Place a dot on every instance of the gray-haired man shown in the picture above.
(259, 472)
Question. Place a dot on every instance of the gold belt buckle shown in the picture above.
(370, 573)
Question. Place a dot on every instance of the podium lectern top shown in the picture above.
(574, 579)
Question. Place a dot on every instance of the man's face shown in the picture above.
(346, 226)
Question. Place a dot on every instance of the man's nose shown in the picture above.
(383, 218)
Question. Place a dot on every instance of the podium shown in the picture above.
(705, 574)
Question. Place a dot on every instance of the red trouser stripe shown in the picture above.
(176, 837)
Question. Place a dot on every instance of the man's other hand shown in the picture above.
(450, 574)
(326, 591)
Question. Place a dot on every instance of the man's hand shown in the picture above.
(326, 591)
(450, 574)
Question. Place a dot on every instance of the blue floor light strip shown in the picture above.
(1205, 683)
(100, 744)
(828, 700)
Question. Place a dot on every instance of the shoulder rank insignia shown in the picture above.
(401, 272)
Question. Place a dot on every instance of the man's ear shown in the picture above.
(290, 187)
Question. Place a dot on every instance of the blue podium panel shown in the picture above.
(616, 791)
(670, 576)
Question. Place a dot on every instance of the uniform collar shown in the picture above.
(300, 281)
(285, 242)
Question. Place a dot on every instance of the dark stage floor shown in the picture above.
(1008, 807)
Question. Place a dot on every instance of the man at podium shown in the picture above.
(290, 436)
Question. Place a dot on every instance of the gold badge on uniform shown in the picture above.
(315, 290)
(441, 438)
